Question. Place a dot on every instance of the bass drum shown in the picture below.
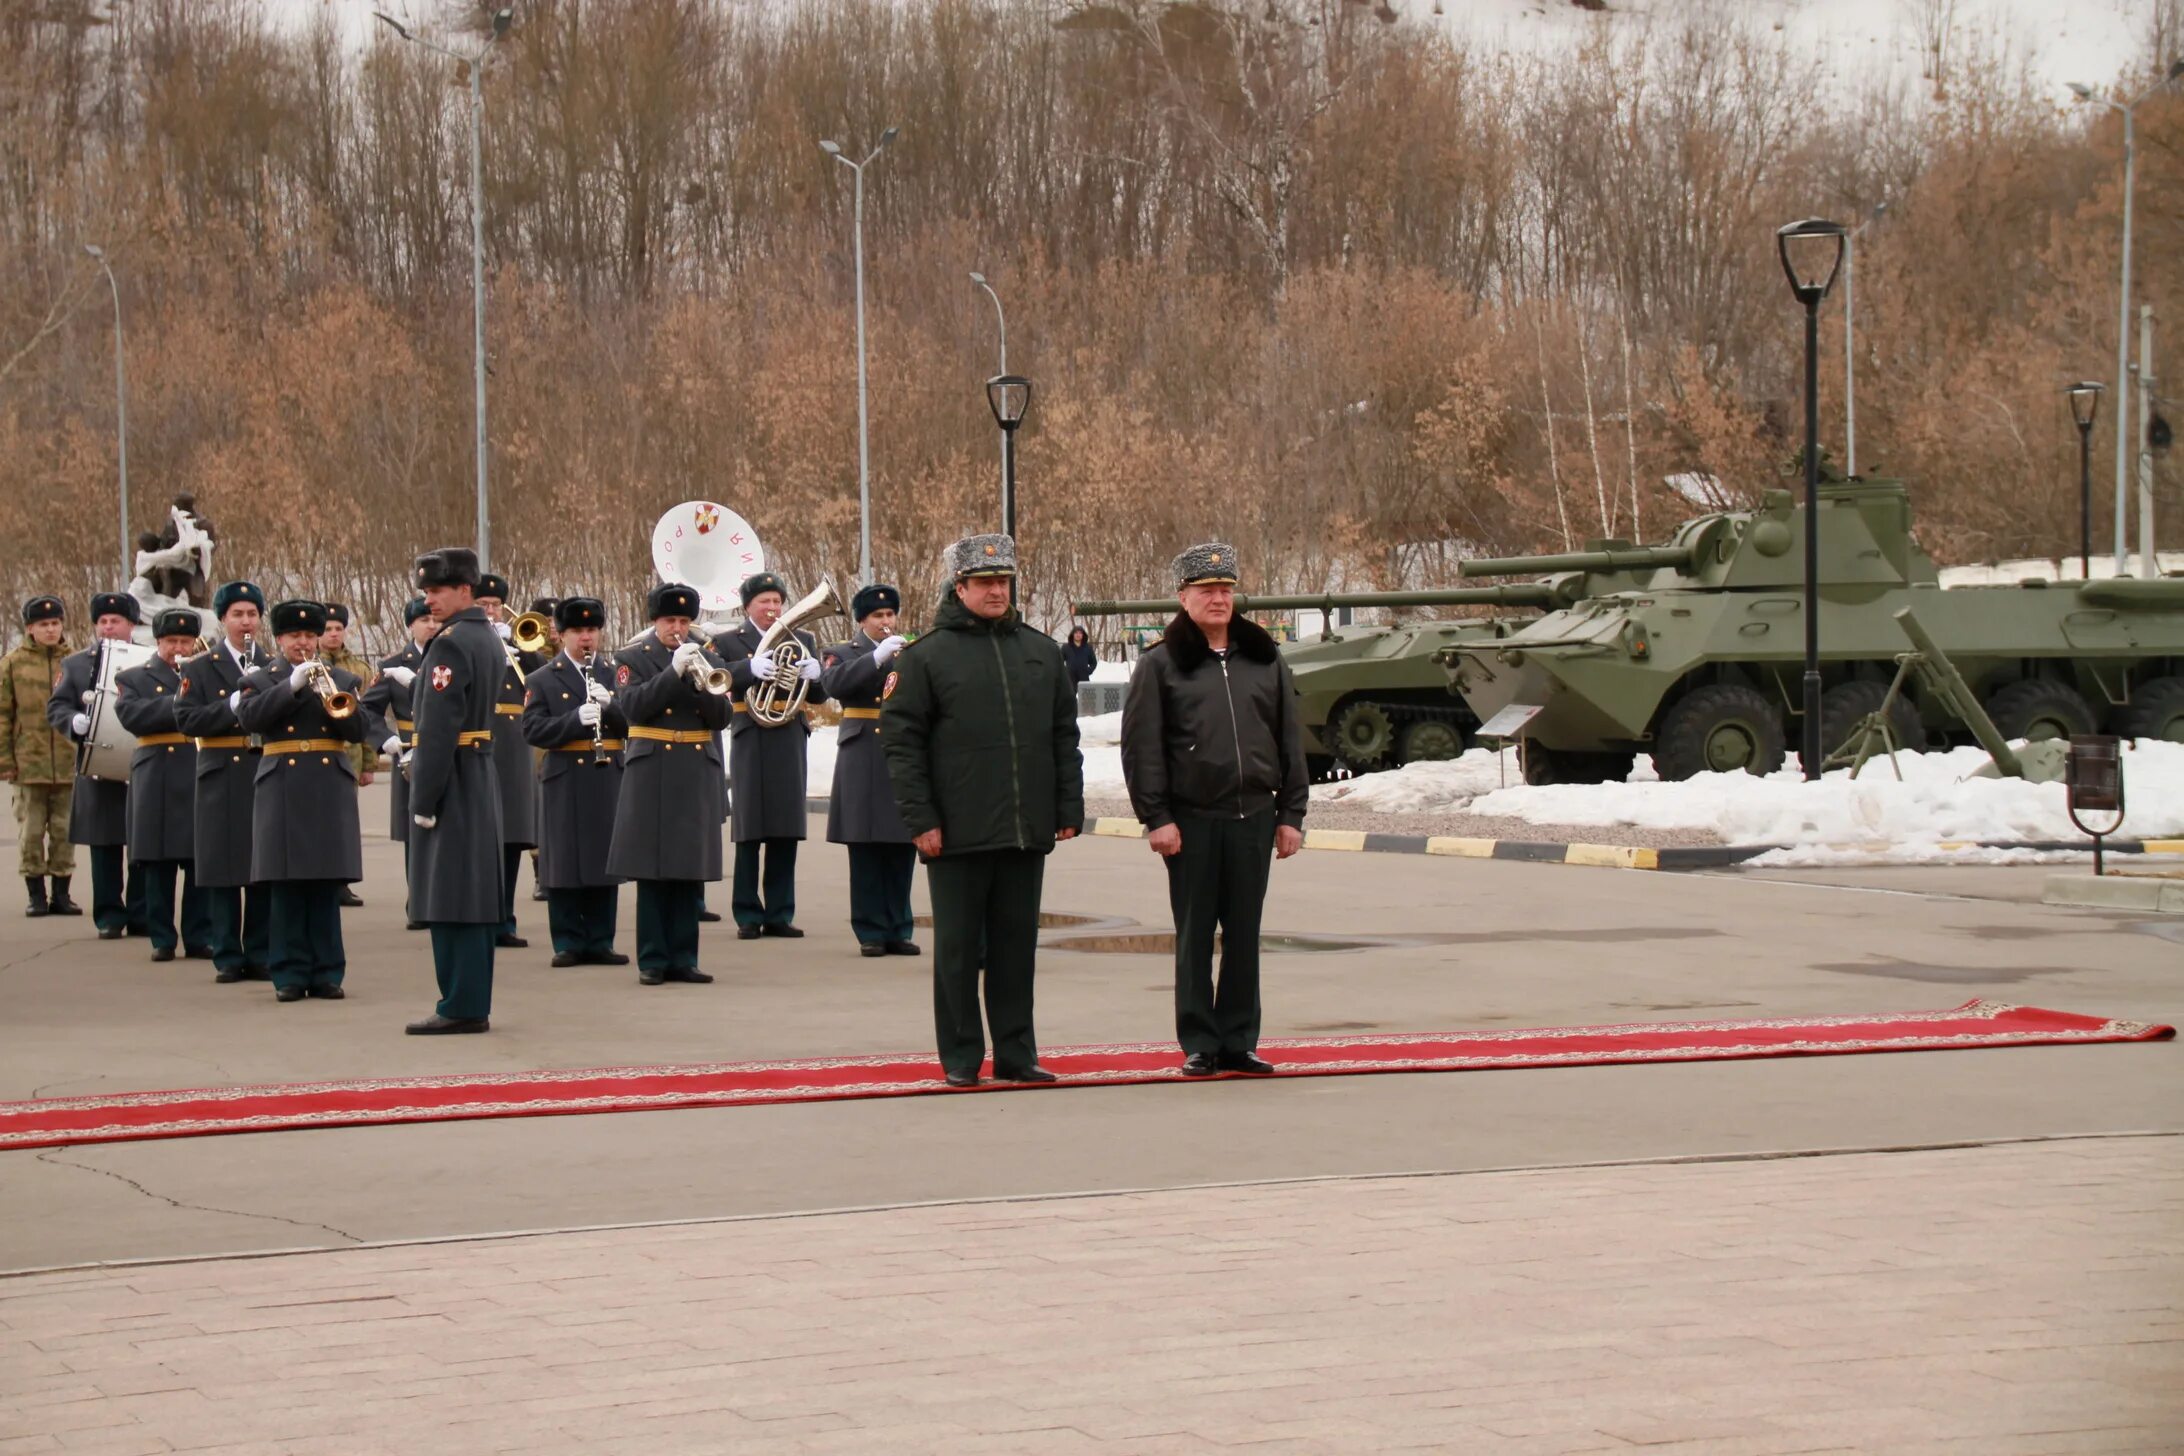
(107, 746)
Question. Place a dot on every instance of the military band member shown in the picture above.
(98, 810)
(455, 795)
(511, 756)
(163, 790)
(667, 820)
(227, 783)
(571, 716)
(861, 812)
(979, 723)
(387, 704)
(307, 843)
(547, 607)
(1213, 754)
(766, 770)
(37, 759)
(334, 652)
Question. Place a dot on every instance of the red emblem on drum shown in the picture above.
(889, 690)
(441, 677)
(621, 676)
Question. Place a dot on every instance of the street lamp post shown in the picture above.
(1850, 341)
(1003, 320)
(864, 419)
(2085, 404)
(475, 66)
(1811, 252)
(2123, 322)
(121, 403)
(1009, 397)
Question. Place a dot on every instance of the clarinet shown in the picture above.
(599, 723)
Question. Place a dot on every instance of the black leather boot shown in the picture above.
(36, 885)
(61, 904)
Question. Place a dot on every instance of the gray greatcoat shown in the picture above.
(98, 809)
(512, 757)
(305, 816)
(386, 705)
(162, 776)
(667, 821)
(766, 766)
(862, 809)
(579, 793)
(227, 778)
(455, 866)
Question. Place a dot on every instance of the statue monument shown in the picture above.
(174, 566)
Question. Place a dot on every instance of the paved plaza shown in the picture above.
(1569, 1260)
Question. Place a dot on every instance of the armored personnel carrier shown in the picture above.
(1699, 659)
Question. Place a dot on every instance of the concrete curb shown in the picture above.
(2161, 894)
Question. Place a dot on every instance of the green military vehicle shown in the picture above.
(1699, 660)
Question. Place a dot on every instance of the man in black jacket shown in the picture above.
(1214, 757)
(979, 724)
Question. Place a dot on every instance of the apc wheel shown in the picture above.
(1844, 706)
(1573, 766)
(1721, 728)
(1430, 741)
(2033, 708)
(1363, 735)
(2156, 711)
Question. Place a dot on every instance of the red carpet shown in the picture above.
(129, 1116)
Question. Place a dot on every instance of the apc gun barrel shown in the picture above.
(1942, 673)
(1629, 558)
(1528, 594)
(2132, 591)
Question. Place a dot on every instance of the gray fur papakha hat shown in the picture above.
(989, 555)
(1214, 562)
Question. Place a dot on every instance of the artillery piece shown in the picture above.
(1697, 659)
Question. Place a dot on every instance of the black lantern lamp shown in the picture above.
(2093, 777)
(2085, 405)
(1009, 396)
(1811, 251)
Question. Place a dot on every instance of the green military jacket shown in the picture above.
(33, 751)
(363, 757)
(979, 723)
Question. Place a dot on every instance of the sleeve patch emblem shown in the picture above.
(889, 690)
(441, 677)
(621, 676)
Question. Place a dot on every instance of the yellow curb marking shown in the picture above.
(1461, 848)
(1350, 839)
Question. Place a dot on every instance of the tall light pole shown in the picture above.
(2123, 322)
(1850, 340)
(121, 403)
(1002, 319)
(1812, 252)
(864, 417)
(475, 66)
(2085, 404)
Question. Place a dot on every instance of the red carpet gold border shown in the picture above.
(131, 1116)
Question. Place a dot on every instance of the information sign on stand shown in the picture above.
(1509, 723)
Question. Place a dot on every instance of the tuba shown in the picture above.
(775, 700)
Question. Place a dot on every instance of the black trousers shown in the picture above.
(1218, 880)
(581, 921)
(985, 908)
(775, 903)
(157, 876)
(879, 891)
(667, 924)
(511, 861)
(117, 896)
(462, 963)
(239, 927)
(306, 933)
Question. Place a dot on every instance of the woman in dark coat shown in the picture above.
(1079, 655)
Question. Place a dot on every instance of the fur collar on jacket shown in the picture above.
(1187, 647)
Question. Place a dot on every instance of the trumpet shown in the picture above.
(714, 680)
(338, 703)
(530, 632)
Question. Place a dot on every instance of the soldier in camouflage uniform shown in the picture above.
(334, 652)
(37, 758)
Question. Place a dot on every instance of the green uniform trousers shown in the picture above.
(158, 876)
(667, 924)
(462, 962)
(117, 894)
(985, 910)
(240, 937)
(581, 921)
(41, 831)
(774, 901)
(304, 934)
(1218, 879)
(879, 891)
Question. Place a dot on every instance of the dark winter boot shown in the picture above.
(36, 885)
(62, 905)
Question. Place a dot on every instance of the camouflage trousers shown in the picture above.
(41, 829)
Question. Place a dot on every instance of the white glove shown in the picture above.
(686, 654)
(393, 746)
(588, 715)
(425, 821)
(403, 676)
(598, 692)
(809, 670)
(80, 724)
(300, 676)
(888, 648)
(88, 695)
(504, 631)
(762, 664)
(235, 700)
